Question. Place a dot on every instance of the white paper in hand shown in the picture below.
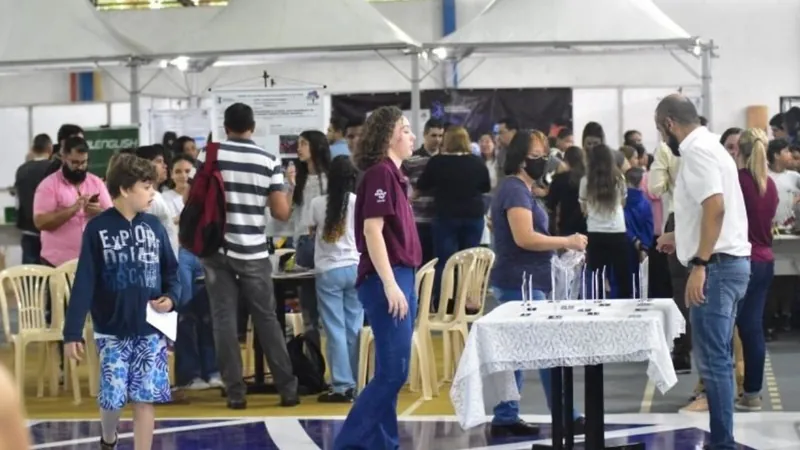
(166, 323)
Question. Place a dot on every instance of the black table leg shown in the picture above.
(569, 407)
(556, 412)
(595, 406)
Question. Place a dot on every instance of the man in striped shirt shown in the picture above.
(253, 182)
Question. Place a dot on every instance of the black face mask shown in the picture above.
(73, 176)
(535, 167)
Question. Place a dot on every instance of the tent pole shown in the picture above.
(416, 102)
(705, 76)
(135, 90)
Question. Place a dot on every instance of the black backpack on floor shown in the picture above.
(308, 364)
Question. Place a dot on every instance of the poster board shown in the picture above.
(105, 141)
(184, 122)
(281, 114)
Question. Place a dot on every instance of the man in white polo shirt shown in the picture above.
(711, 239)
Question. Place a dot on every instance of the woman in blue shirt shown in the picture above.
(523, 244)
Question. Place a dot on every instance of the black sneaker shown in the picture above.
(288, 401)
(517, 429)
(237, 404)
(106, 446)
(336, 397)
(682, 365)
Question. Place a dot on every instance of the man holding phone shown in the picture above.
(65, 201)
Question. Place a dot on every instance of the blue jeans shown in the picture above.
(749, 319)
(195, 356)
(451, 235)
(342, 317)
(31, 249)
(189, 269)
(712, 327)
(506, 413)
(372, 421)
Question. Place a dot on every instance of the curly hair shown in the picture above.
(602, 179)
(375, 136)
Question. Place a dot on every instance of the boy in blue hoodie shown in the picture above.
(638, 221)
(125, 264)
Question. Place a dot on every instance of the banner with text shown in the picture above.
(281, 114)
(104, 142)
(478, 110)
(184, 122)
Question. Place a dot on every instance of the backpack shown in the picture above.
(202, 222)
(308, 364)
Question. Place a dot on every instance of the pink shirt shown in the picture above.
(55, 193)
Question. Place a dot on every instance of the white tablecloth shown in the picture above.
(504, 341)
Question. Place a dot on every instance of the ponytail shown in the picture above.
(753, 144)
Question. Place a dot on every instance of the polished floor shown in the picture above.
(636, 412)
(659, 432)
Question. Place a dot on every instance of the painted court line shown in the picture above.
(288, 433)
(772, 385)
(95, 439)
(419, 402)
(647, 397)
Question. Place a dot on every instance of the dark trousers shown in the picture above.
(425, 232)
(679, 275)
(195, 356)
(610, 251)
(659, 282)
(226, 279)
(451, 235)
(31, 249)
(372, 421)
(749, 321)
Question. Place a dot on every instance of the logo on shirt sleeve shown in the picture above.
(380, 196)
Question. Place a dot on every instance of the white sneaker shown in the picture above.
(215, 382)
(197, 385)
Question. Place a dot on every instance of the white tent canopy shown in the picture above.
(568, 23)
(57, 32)
(279, 26)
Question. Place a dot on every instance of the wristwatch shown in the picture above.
(697, 261)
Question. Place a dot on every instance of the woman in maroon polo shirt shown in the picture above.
(761, 202)
(387, 239)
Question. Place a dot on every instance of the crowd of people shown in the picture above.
(367, 208)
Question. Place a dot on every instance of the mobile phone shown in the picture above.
(94, 198)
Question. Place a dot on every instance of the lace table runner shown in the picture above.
(561, 334)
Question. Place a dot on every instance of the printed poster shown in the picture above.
(281, 114)
(184, 122)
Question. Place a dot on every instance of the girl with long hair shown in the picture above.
(562, 200)
(593, 135)
(602, 194)
(310, 181)
(523, 244)
(761, 202)
(389, 245)
(335, 263)
(195, 355)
